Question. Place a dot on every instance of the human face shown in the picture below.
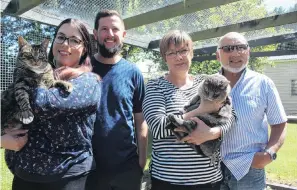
(70, 51)
(178, 58)
(110, 35)
(233, 61)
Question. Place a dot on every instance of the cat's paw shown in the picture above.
(25, 117)
(190, 125)
(66, 86)
(175, 120)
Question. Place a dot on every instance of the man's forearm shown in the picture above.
(142, 137)
(277, 137)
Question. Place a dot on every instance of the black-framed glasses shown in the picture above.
(72, 41)
(183, 53)
(231, 48)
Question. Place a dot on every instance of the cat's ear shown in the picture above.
(45, 43)
(22, 41)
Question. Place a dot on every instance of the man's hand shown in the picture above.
(12, 141)
(142, 163)
(201, 134)
(261, 159)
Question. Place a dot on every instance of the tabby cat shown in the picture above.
(214, 88)
(32, 70)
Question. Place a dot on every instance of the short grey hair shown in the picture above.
(175, 37)
(231, 35)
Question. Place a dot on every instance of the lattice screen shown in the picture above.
(11, 28)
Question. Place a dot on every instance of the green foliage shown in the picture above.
(205, 67)
(258, 64)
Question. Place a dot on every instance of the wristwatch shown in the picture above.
(271, 153)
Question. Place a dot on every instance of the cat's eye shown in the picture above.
(28, 55)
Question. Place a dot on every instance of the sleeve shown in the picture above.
(154, 110)
(84, 98)
(139, 92)
(228, 125)
(275, 111)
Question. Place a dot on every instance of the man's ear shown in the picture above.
(95, 33)
(249, 51)
(218, 55)
(124, 34)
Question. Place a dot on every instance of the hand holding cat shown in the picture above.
(201, 134)
(12, 139)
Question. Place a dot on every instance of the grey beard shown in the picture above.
(109, 53)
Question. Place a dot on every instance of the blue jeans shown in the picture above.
(255, 179)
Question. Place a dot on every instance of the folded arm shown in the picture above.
(83, 99)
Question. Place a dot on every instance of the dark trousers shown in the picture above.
(163, 185)
(127, 180)
(71, 183)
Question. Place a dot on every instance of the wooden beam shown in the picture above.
(253, 43)
(18, 7)
(171, 11)
(256, 24)
(253, 54)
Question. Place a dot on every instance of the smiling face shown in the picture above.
(69, 52)
(234, 61)
(110, 35)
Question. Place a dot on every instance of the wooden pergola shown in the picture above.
(52, 12)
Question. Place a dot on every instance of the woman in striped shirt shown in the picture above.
(175, 165)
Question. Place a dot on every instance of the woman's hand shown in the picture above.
(201, 134)
(12, 139)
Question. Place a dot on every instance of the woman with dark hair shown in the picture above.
(58, 154)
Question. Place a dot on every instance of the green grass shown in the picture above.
(283, 170)
(5, 176)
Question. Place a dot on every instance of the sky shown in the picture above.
(271, 4)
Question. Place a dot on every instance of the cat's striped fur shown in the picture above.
(32, 70)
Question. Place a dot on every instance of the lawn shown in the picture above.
(283, 170)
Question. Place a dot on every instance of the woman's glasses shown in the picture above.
(231, 48)
(72, 41)
(183, 53)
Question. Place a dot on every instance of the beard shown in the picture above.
(109, 52)
(234, 70)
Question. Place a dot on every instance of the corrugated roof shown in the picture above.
(284, 57)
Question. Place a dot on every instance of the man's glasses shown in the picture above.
(231, 48)
(72, 41)
(183, 53)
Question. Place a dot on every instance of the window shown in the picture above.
(294, 87)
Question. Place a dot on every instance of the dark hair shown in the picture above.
(106, 13)
(85, 59)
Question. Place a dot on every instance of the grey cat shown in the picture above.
(32, 70)
(214, 88)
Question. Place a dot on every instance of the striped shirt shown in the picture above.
(172, 161)
(257, 103)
